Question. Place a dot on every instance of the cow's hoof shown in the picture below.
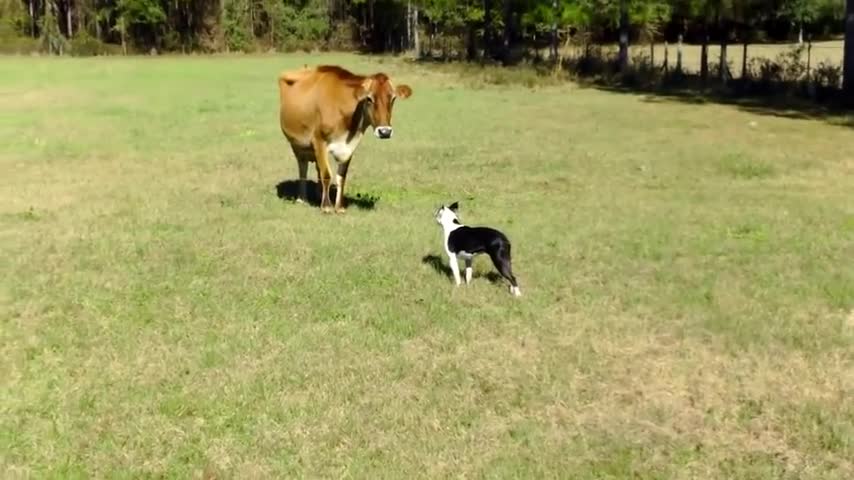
(301, 201)
(326, 209)
(340, 210)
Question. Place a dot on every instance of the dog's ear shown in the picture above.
(454, 206)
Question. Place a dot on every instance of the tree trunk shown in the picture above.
(408, 24)
(471, 50)
(679, 54)
(122, 31)
(801, 33)
(68, 19)
(487, 28)
(744, 61)
(724, 66)
(80, 20)
(443, 40)
(32, 18)
(704, 55)
(431, 37)
(810, 83)
(848, 62)
(47, 7)
(666, 60)
(221, 31)
(371, 25)
(416, 41)
(652, 53)
(363, 27)
(624, 36)
(554, 31)
(505, 43)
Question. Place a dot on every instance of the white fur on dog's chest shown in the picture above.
(341, 149)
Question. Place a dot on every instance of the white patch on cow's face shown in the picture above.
(341, 149)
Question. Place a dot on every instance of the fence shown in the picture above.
(814, 62)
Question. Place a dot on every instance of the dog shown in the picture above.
(466, 242)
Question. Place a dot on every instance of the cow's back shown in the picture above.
(314, 98)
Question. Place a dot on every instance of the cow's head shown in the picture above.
(379, 95)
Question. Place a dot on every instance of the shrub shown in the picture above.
(236, 28)
(827, 75)
(85, 45)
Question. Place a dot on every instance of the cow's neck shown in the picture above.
(342, 147)
(359, 121)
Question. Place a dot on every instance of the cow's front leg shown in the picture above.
(340, 180)
(322, 159)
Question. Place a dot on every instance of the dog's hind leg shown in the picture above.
(501, 259)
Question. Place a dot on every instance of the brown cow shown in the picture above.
(324, 111)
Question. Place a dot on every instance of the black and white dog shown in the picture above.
(466, 242)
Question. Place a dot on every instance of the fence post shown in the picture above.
(810, 84)
(809, 57)
(652, 53)
(665, 57)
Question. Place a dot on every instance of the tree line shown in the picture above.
(470, 28)
(484, 30)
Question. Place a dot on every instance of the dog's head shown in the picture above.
(447, 215)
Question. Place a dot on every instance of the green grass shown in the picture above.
(688, 290)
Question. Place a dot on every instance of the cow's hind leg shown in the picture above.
(303, 173)
(304, 156)
(321, 156)
(340, 179)
(501, 259)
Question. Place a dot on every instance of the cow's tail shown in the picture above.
(291, 77)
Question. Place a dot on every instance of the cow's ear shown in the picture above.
(403, 91)
(363, 91)
(454, 206)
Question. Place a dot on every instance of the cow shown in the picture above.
(324, 112)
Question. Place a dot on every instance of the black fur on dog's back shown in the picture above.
(474, 240)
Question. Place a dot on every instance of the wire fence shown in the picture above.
(814, 62)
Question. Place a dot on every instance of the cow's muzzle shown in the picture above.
(383, 132)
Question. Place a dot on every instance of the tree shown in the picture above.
(799, 12)
(848, 62)
(624, 35)
(748, 14)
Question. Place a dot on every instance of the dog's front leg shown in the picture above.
(455, 268)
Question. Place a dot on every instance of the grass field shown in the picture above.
(687, 271)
